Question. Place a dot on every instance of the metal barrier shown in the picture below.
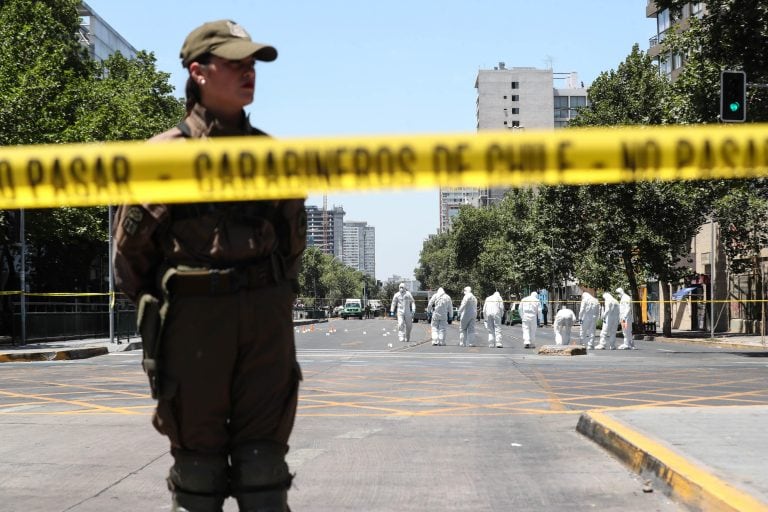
(58, 318)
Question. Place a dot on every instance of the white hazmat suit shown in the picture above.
(625, 318)
(440, 306)
(564, 320)
(530, 311)
(404, 305)
(467, 318)
(610, 322)
(493, 311)
(588, 311)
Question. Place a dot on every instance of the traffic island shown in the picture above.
(562, 350)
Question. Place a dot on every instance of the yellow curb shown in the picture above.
(54, 355)
(694, 485)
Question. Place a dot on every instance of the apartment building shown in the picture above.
(359, 251)
(667, 20)
(325, 229)
(518, 98)
(99, 37)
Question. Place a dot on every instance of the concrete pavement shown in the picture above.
(709, 458)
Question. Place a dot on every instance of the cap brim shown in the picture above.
(237, 50)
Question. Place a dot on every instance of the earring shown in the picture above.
(202, 81)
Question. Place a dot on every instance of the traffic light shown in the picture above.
(733, 96)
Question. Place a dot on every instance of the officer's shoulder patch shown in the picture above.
(133, 218)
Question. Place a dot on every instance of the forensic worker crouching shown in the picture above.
(215, 284)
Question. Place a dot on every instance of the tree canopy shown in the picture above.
(51, 92)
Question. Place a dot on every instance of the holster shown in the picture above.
(150, 323)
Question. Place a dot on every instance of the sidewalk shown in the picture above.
(709, 458)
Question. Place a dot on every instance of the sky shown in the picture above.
(388, 68)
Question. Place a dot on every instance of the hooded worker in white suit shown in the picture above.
(610, 322)
(530, 311)
(625, 318)
(564, 320)
(588, 311)
(467, 318)
(493, 311)
(404, 305)
(440, 306)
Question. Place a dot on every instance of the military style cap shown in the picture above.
(225, 39)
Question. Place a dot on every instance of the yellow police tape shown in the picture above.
(258, 168)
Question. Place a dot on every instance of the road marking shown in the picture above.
(358, 434)
(297, 457)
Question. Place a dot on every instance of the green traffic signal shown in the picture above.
(733, 96)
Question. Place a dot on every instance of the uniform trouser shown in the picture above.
(563, 334)
(529, 330)
(467, 330)
(626, 331)
(439, 325)
(493, 325)
(608, 333)
(404, 325)
(229, 391)
(587, 330)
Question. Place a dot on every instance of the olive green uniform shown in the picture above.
(224, 364)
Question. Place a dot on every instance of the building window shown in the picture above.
(515, 124)
(697, 8)
(677, 60)
(515, 110)
(663, 22)
(515, 85)
(515, 97)
(561, 107)
(665, 65)
(577, 102)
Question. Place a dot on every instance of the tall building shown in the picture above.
(359, 250)
(325, 230)
(100, 38)
(452, 199)
(515, 99)
(670, 64)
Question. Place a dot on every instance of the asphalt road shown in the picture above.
(382, 425)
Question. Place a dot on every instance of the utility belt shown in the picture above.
(181, 281)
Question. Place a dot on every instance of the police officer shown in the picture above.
(215, 284)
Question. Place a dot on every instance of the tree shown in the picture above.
(52, 92)
(646, 226)
(42, 66)
(311, 287)
(437, 262)
(125, 99)
(730, 35)
(341, 281)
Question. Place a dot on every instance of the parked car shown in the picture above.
(377, 309)
(337, 311)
